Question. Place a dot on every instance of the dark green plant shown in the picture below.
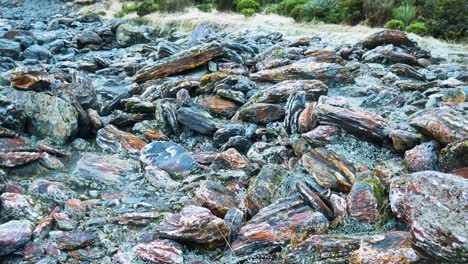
(377, 13)
(224, 5)
(247, 4)
(446, 18)
(352, 11)
(405, 13)
(395, 24)
(323, 10)
(286, 6)
(248, 12)
(204, 7)
(171, 6)
(271, 9)
(297, 12)
(417, 28)
(147, 7)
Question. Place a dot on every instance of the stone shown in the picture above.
(230, 159)
(442, 124)
(214, 196)
(13, 235)
(454, 156)
(307, 120)
(385, 37)
(18, 158)
(262, 113)
(112, 140)
(387, 170)
(281, 91)
(75, 240)
(160, 251)
(182, 61)
(339, 207)
(195, 225)
(48, 116)
(37, 52)
(64, 222)
(160, 179)
(389, 54)
(30, 80)
(197, 119)
(392, 247)
(127, 35)
(431, 203)
(103, 171)
(405, 70)
(305, 69)
(276, 225)
(88, 38)
(329, 169)
(293, 109)
(17, 206)
(168, 156)
(423, 157)
(12, 115)
(263, 187)
(9, 48)
(49, 190)
(314, 200)
(83, 89)
(366, 198)
(234, 219)
(166, 117)
(223, 134)
(321, 135)
(220, 107)
(44, 226)
(404, 140)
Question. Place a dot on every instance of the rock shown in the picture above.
(30, 80)
(263, 153)
(305, 69)
(112, 140)
(18, 158)
(11, 49)
(392, 248)
(160, 251)
(222, 135)
(52, 191)
(13, 235)
(48, 116)
(454, 156)
(128, 35)
(45, 225)
(197, 120)
(75, 239)
(339, 207)
(405, 70)
(330, 170)
(234, 219)
(37, 52)
(431, 204)
(168, 156)
(281, 91)
(17, 206)
(366, 198)
(195, 225)
(218, 106)
(388, 36)
(182, 61)
(263, 187)
(455, 95)
(326, 55)
(215, 197)
(276, 225)
(363, 124)
(166, 117)
(83, 89)
(11, 114)
(160, 179)
(404, 140)
(442, 124)
(423, 157)
(230, 159)
(88, 38)
(388, 54)
(321, 135)
(262, 113)
(307, 120)
(64, 222)
(314, 200)
(103, 171)
(294, 107)
(387, 170)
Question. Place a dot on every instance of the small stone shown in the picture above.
(307, 121)
(234, 219)
(64, 222)
(30, 80)
(13, 159)
(13, 235)
(221, 107)
(54, 191)
(230, 159)
(12, 115)
(423, 157)
(88, 38)
(215, 197)
(262, 113)
(280, 92)
(37, 52)
(314, 200)
(197, 119)
(160, 179)
(75, 240)
(160, 251)
(17, 206)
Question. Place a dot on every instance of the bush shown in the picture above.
(351, 11)
(286, 6)
(405, 13)
(378, 12)
(171, 6)
(248, 4)
(204, 7)
(248, 12)
(324, 10)
(147, 7)
(446, 18)
(224, 5)
(297, 12)
(271, 9)
(417, 28)
(395, 24)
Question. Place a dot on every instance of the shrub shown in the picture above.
(418, 28)
(147, 7)
(271, 9)
(204, 7)
(297, 12)
(248, 12)
(378, 12)
(224, 5)
(248, 4)
(405, 13)
(351, 11)
(446, 18)
(286, 6)
(171, 6)
(324, 10)
(127, 9)
(102, 13)
(395, 24)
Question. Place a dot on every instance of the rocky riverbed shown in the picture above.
(122, 143)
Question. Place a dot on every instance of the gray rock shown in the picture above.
(37, 52)
(14, 235)
(10, 48)
(128, 35)
(197, 120)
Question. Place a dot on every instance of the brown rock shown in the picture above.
(321, 135)
(45, 225)
(17, 206)
(218, 106)
(216, 197)
(112, 140)
(230, 159)
(307, 120)
(30, 80)
(330, 56)
(280, 92)
(454, 156)
(262, 113)
(423, 157)
(75, 239)
(366, 198)
(314, 200)
(160, 251)
(404, 140)
(385, 37)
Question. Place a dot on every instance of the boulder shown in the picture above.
(388, 36)
(128, 35)
(160, 251)
(112, 140)
(13, 235)
(404, 140)
(216, 197)
(88, 38)
(423, 157)
(36, 52)
(366, 200)
(321, 135)
(454, 156)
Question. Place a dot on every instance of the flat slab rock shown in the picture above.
(168, 156)
(433, 205)
(112, 140)
(13, 235)
(281, 91)
(162, 251)
(75, 239)
(388, 36)
(214, 196)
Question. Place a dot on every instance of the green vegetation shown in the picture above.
(439, 18)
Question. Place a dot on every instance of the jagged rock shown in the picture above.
(17, 206)
(305, 69)
(48, 116)
(330, 170)
(75, 239)
(182, 61)
(314, 200)
(88, 38)
(263, 187)
(222, 135)
(363, 124)
(294, 107)
(37, 52)
(83, 89)
(423, 157)
(263, 153)
(160, 251)
(326, 55)
(235, 83)
(75, 208)
(281, 91)
(321, 135)
(385, 37)
(262, 113)
(405, 70)
(128, 35)
(13, 235)
(166, 117)
(52, 191)
(234, 219)
(18, 158)
(230, 159)
(442, 124)
(432, 203)
(136, 105)
(307, 120)
(11, 114)
(393, 247)
(160, 179)
(277, 224)
(215, 197)
(10, 48)
(30, 80)
(45, 225)
(454, 156)
(387, 170)
(197, 119)
(195, 225)
(366, 198)
(218, 106)
(388, 54)
(64, 222)
(339, 207)
(102, 170)
(169, 157)
(112, 140)
(404, 140)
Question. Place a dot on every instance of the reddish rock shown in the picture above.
(314, 200)
(366, 198)
(219, 106)
(195, 225)
(321, 135)
(45, 225)
(432, 204)
(216, 197)
(422, 157)
(54, 191)
(160, 251)
(75, 239)
(307, 120)
(387, 170)
(75, 208)
(13, 235)
(388, 36)
(11, 144)
(330, 170)
(64, 222)
(32, 250)
(230, 159)
(13, 159)
(30, 80)
(327, 55)
(404, 140)
(137, 218)
(280, 92)
(442, 124)
(17, 206)
(262, 113)
(339, 207)
(112, 140)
